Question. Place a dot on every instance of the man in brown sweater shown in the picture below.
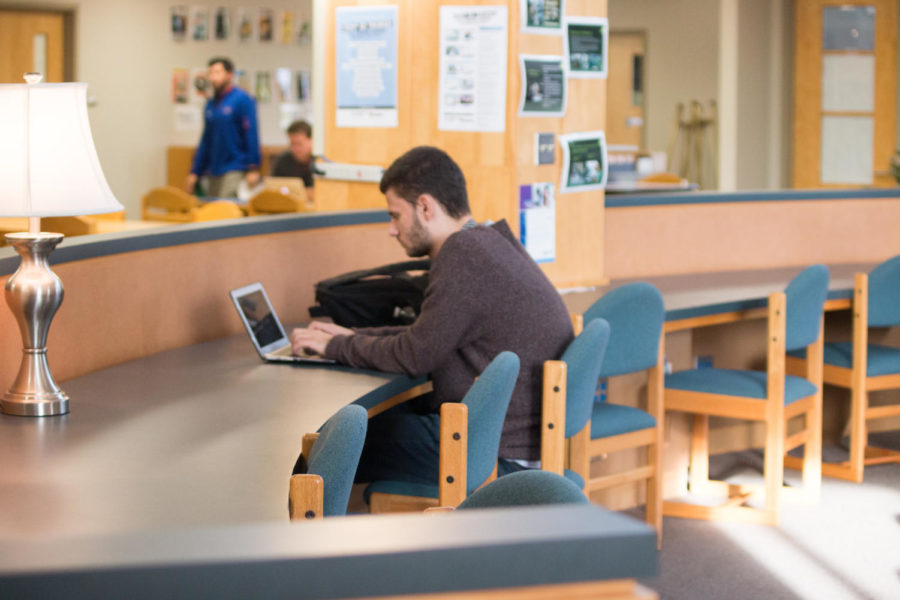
(485, 295)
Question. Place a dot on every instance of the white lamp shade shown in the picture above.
(48, 163)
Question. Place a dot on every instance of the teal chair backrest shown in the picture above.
(805, 298)
(487, 401)
(525, 488)
(635, 313)
(884, 294)
(584, 359)
(335, 456)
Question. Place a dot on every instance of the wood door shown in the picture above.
(31, 41)
(626, 90)
(844, 93)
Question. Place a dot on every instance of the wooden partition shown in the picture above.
(121, 306)
(495, 164)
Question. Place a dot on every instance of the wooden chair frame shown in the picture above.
(452, 467)
(775, 415)
(576, 453)
(855, 379)
(306, 497)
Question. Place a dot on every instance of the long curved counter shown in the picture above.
(129, 295)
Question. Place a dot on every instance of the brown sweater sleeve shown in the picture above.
(448, 312)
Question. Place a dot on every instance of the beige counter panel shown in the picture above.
(676, 239)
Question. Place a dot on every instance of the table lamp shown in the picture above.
(48, 167)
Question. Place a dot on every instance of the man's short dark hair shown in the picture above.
(300, 126)
(428, 170)
(226, 63)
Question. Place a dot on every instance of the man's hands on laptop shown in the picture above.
(315, 338)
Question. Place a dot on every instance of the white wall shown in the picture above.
(737, 52)
(125, 52)
(682, 56)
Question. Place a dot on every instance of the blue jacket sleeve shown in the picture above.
(201, 156)
(251, 135)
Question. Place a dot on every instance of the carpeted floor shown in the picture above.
(845, 547)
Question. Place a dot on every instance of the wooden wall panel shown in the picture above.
(495, 164)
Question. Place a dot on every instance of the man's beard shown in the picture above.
(418, 242)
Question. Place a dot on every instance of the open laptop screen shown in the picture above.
(258, 313)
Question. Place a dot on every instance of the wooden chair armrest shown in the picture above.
(553, 417)
(454, 446)
(306, 498)
(404, 396)
(306, 445)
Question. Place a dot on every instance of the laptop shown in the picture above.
(289, 186)
(265, 329)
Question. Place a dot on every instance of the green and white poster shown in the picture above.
(587, 47)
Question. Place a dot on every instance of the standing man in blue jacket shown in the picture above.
(229, 147)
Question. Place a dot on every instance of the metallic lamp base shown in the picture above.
(34, 405)
(34, 293)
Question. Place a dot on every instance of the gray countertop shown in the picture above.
(202, 436)
(169, 479)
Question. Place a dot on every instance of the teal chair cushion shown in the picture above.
(335, 456)
(487, 401)
(526, 488)
(746, 384)
(635, 313)
(423, 490)
(884, 294)
(613, 419)
(584, 358)
(880, 360)
(805, 298)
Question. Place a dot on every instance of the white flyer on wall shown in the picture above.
(472, 80)
(537, 221)
(366, 65)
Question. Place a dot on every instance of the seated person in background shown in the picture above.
(485, 295)
(298, 161)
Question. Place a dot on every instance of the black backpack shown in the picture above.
(387, 295)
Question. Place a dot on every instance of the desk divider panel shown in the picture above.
(123, 306)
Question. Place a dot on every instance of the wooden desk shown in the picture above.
(713, 298)
(169, 479)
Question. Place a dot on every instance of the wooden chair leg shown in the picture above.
(654, 488)
(812, 451)
(579, 459)
(698, 471)
(859, 401)
(773, 469)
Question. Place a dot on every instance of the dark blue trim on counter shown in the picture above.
(713, 197)
(737, 305)
(93, 246)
